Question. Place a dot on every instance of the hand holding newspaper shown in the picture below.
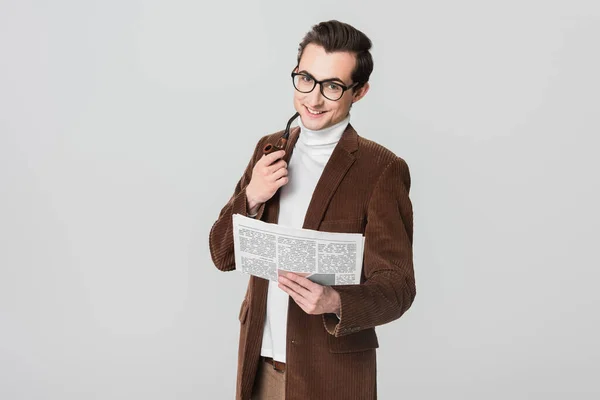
(326, 258)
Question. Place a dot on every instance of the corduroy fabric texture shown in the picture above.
(364, 189)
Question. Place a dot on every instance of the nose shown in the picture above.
(315, 98)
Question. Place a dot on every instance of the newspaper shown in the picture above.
(261, 249)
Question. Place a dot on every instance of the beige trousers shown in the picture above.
(269, 383)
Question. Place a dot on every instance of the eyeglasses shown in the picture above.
(330, 88)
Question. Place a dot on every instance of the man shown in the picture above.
(298, 339)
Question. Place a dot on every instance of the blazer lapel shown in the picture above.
(261, 286)
(289, 149)
(336, 168)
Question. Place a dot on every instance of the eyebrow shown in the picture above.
(323, 80)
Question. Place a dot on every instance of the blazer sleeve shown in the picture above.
(221, 234)
(389, 286)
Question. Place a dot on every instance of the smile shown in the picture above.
(314, 112)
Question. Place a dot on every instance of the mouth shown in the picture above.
(314, 113)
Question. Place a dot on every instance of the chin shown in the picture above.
(314, 125)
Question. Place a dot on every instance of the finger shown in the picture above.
(281, 181)
(271, 158)
(302, 281)
(279, 173)
(294, 286)
(277, 166)
(294, 295)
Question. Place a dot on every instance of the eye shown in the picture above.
(305, 78)
(333, 86)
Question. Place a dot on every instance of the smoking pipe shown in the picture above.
(280, 145)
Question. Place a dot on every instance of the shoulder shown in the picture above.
(378, 160)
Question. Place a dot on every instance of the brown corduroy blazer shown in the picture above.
(364, 189)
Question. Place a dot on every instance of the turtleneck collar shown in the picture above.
(329, 135)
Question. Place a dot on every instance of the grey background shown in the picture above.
(124, 126)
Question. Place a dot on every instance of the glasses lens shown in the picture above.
(332, 90)
(304, 83)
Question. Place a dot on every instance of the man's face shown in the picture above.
(322, 65)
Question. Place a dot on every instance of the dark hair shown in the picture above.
(338, 36)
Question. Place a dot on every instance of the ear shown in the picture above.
(360, 93)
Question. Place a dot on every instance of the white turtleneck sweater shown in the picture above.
(311, 154)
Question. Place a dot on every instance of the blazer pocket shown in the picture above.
(359, 341)
(243, 311)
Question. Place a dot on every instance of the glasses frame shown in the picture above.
(336, 81)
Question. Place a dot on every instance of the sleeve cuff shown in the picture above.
(240, 206)
(331, 322)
